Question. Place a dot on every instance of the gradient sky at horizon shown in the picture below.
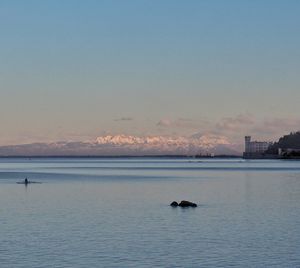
(74, 70)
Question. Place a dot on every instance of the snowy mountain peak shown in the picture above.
(206, 141)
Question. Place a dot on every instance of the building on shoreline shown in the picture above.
(255, 149)
(288, 153)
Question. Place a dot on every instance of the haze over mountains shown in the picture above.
(116, 145)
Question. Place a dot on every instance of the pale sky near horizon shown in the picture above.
(75, 70)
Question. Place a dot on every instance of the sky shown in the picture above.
(76, 70)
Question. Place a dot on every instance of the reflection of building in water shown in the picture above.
(255, 149)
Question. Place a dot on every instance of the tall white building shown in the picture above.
(255, 146)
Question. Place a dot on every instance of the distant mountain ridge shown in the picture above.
(206, 141)
(111, 145)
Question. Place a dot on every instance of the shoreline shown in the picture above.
(120, 156)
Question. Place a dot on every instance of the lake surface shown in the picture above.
(114, 212)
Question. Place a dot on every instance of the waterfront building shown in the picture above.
(288, 152)
(255, 149)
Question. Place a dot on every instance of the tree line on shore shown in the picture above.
(290, 141)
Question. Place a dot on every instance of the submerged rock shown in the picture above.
(185, 204)
(174, 204)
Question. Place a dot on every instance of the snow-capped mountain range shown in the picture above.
(129, 145)
(208, 141)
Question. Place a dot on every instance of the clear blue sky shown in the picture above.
(79, 69)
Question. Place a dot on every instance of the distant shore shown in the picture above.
(119, 156)
(148, 156)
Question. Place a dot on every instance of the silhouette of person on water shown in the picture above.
(26, 181)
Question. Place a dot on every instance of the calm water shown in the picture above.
(115, 213)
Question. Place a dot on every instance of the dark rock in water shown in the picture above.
(174, 204)
(185, 204)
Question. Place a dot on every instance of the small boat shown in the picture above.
(30, 182)
(26, 182)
